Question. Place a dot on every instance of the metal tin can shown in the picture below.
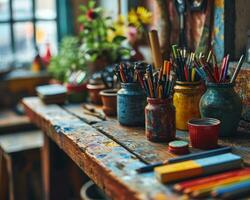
(222, 102)
(131, 101)
(186, 99)
(160, 120)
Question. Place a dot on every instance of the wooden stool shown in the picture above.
(20, 168)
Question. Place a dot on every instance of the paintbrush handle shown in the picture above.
(204, 154)
(149, 168)
(237, 70)
(155, 48)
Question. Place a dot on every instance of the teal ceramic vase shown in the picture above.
(131, 101)
(220, 101)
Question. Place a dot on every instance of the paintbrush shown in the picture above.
(237, 70)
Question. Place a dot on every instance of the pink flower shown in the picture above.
(132, 34)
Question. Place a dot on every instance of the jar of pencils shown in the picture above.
(222, 102)
(131, 101)
(160, 120)
(186, 101)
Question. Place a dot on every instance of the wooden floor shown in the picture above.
(108, 152)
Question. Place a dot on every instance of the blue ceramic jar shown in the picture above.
(222, 102)
(131, 101)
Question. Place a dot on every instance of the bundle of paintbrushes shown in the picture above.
(183, 63)
(209, 70)
(127, 72)
(159, 84)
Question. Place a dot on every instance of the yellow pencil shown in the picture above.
(193, 74)
(207, 191)
(210, 186)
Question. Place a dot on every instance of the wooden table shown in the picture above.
(108, 152)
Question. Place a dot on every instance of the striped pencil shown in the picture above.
(211, 185)
(208, 191)
(186, 184)
(234, 191)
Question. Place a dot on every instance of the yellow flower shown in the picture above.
(120, 20)
(139, 17)
(110, 35)
(120, 28)
(144, 15)
(133, 18)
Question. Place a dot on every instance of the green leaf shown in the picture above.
(91, 4)
(83, 8)
(119, 39)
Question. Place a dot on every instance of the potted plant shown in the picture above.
(98, 48)
(69, 67)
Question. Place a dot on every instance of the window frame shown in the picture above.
(63, 20)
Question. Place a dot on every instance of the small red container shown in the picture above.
(178, 147)
(204, 132)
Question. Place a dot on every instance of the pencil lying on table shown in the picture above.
(234, 191)
(193, 156)
(204, 191)
(211, 179)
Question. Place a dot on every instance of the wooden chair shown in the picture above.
(20, 167)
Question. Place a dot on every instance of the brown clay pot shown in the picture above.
(109, 101)
(94, 91)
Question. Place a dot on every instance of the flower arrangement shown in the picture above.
(94, 36)
(138, 19)
(101, 40)
(133, 26)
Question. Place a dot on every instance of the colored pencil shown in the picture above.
(210, 71)
(192, 156)
(183, 62)
(213, 184)
(130, 72)
(235, 191)
(160, 83)
(205, 191)
(237, 70)
(199, 181)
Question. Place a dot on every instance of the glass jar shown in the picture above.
(131, 101)
(186, 101)
(160, 120)
(222, 102)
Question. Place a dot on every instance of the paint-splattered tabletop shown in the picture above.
(108, 152)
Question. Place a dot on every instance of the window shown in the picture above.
(111, 6)
(25, 24)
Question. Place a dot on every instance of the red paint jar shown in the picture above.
(204, 132)
(160, 120)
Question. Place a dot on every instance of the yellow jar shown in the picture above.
(186, 101)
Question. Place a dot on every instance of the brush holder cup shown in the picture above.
(186, 101)
(131, 101)
(160, 120)
(220, 101)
